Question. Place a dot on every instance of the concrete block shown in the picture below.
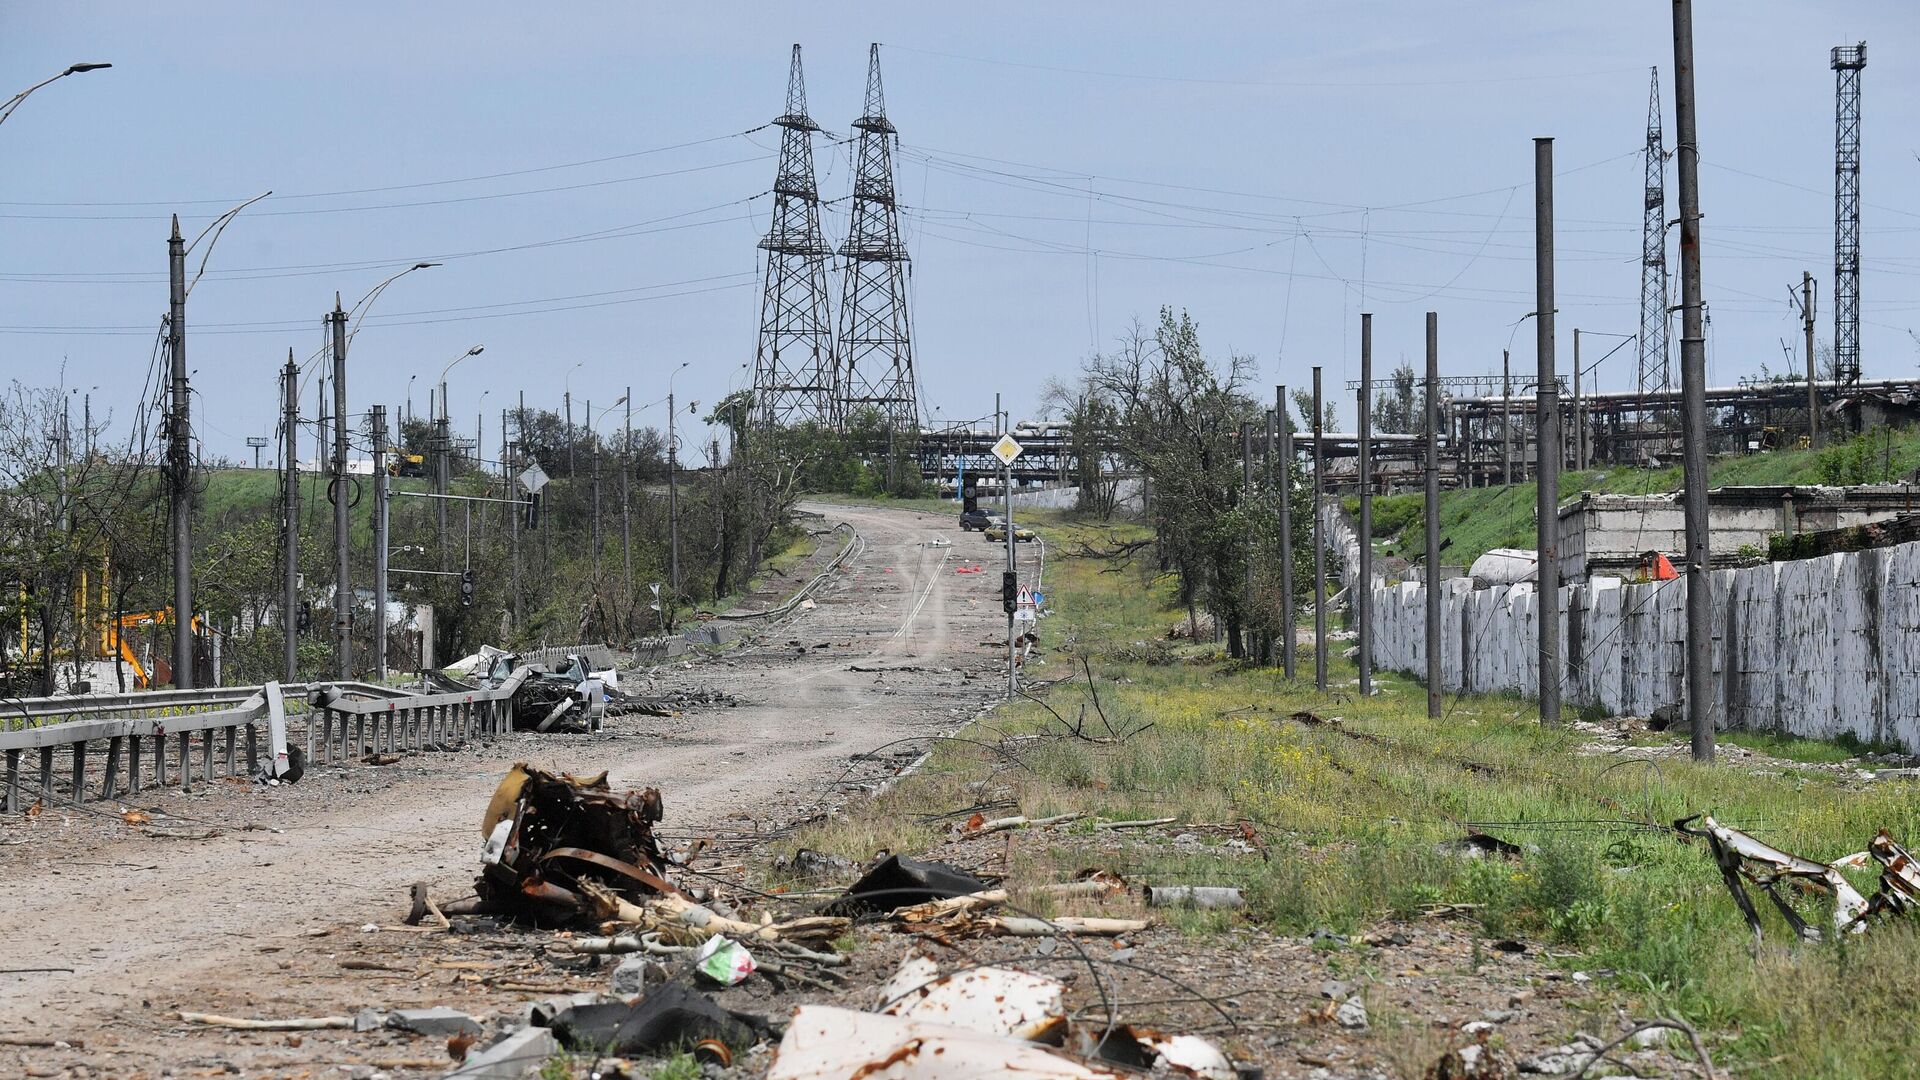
(438, 1020)
(520, 1054)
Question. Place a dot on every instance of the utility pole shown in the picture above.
(1287, 629)
(1506, 418)
(595, 531)
(1319, 547)
(1013, 565)
(342, 583)
(180, 462)
(1362, 590)
(1579, 455)
(519, 451)
(1546, 467)
(1268, 451)
(626, 507)
(1246, 493)
(673, 503)
(566, 398)
(1813, 385)
(382, 502)
(442, 471)
(1693, 394)
(290, 520)
(1434, 645)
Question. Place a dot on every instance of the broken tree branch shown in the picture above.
(241, 1023)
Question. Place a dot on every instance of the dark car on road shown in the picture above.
(976, 520)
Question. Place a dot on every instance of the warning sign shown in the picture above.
(1024, 609)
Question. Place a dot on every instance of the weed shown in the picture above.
(678, 1067)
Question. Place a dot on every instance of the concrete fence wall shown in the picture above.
(1818, 647)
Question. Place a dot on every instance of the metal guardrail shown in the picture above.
(342, 722)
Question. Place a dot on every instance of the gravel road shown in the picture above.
(247, 908)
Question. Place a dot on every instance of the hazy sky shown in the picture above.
(594, 177)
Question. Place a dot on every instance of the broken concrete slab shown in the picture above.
(519, 1055)
(438, 1020)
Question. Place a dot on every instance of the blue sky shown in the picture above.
(1275, 169)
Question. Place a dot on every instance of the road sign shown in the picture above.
(1006, 449)
(1023, 607)
(533, 478)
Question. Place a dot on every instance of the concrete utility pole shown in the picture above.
(180, 461)
(1579, 414)
(1013, 565)
(519, 452)
(1319, 547)
(1362, 591)
(442, 472)
(382, 502)
(342, 503)
(1287, 628)
(1434, 645)
(1693, 395)
(594, 532)
(1246, 492)
(290, 521)
(673, 502)
(626, 507)
(1813, 385)
(1546, 466)
(566, 398)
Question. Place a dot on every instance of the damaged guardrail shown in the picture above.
(151, 737)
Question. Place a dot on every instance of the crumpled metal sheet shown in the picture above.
(1742, 856)
(992, 1000)
(548, 835)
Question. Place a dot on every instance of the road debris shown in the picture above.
(240, 1023)
(671, 1017)
(551, 837)
(1199, 896)
(898, 881)
(1740, 856)
(724, 961)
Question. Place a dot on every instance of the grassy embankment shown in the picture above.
(1475, 520)
(1356, 816)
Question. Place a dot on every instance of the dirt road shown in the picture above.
(222, 917)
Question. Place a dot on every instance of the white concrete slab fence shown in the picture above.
(1818, 647)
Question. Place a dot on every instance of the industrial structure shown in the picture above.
(793, 366)
(1653, 369)
(875, 348)
(1848, 62)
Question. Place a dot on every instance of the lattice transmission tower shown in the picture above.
(876, 339)
(1654, 371)
(1848, 62)
(793, 364)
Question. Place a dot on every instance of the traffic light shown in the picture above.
(1009, 590)
(466, 587)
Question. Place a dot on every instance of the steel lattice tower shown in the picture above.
(1654, 372)
(793, 364)
(876, 346)
(1848, 62)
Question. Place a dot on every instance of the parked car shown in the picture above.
(997, 533)
(976, 520)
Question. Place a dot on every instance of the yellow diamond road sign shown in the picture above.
(1006, 449)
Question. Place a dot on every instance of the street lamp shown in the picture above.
(13, 102)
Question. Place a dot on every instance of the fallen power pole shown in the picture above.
(1434, 645)
(1287, 628)
(1693, 391)
(1362, 590)
(1546, 466)
(1319, 548)
(180, 461)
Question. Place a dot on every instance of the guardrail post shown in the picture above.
(110, 783)
(13, 781)
(160, 760)
(253, 749)
(79, 773)
(206, 756)
(46, 775)
(133, 764)
(232, 734)
(186, 761)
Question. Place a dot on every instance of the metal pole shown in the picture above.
(1319, 547)
(1579, 412)
(342, 502)
(1693, 393)
(1547, 422)
(180, 455)
(673, 503)
(595, 531)
(626, 508)
(1362, 590)
(1434, 642)
(1813, 387)
(1267, 452)
(1006, 474)
(567, 398)
(442, 475)
(381, 505)
(1506, 418)
(1287, 628)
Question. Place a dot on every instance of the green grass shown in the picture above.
(1476, 520)
(1357, 816)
